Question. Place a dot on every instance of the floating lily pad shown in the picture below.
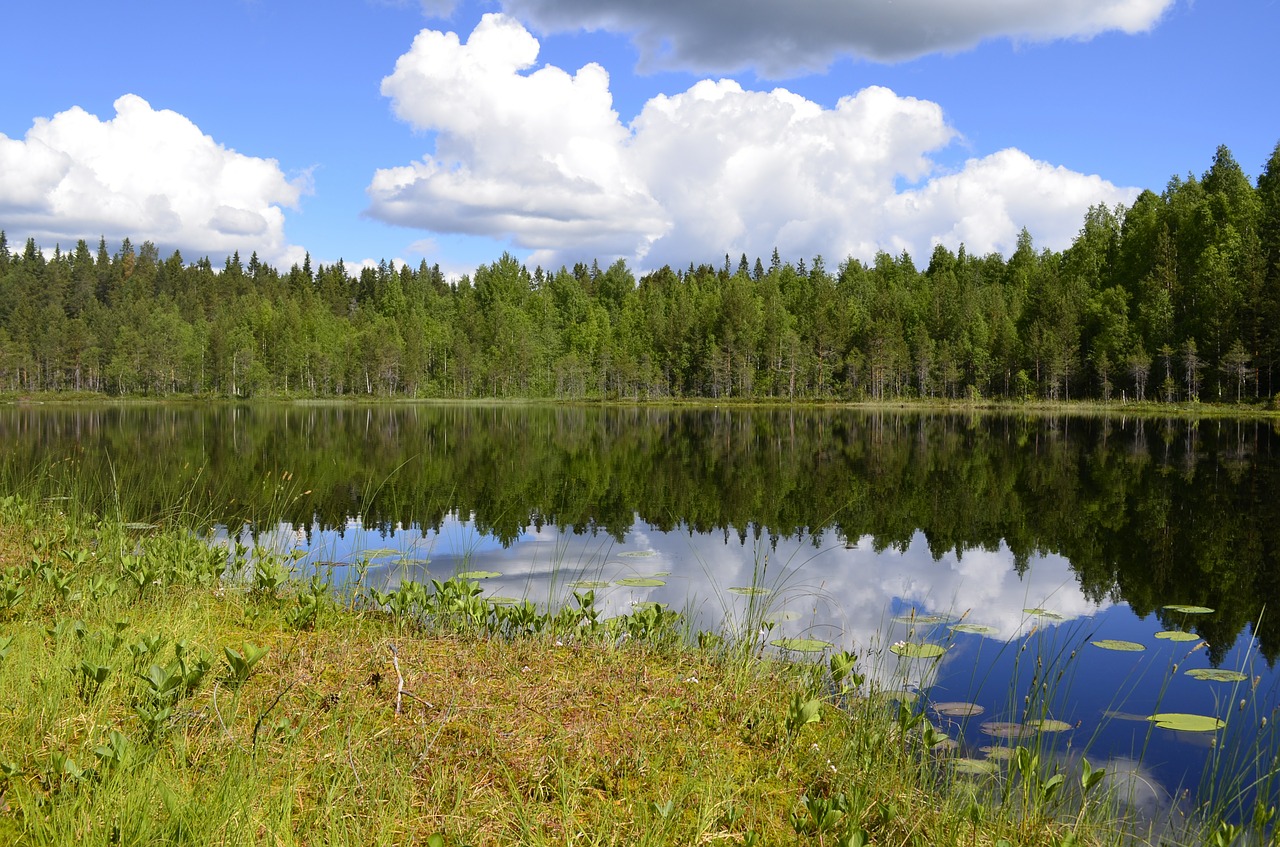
(503, 601)
(975, 629)
(648, 604)
(1189, 610)
(997, 752)
(1044, 613)
(946, 745)
(893, 695)
(917, 649)
(641, 582)
(750, 591)
(589, 584)
(477, 575)
(1118, 646)
(381, 552)
(958, 709)
(1006, 729)
(801, 645)
(1049, 725)
(921, 620)
(1181, 722)
(975, 767)
(637, 554)
(1177, 635)
(1216, 675)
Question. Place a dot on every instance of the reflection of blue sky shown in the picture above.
(850, 595)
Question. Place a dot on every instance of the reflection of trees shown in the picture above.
(1151, 512)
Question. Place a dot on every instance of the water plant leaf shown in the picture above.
(1118, 646)
(1044, 613)
(974, 629)
(1189, 610)
(893, 695)
(1182, 722)
(589, 584)
(379, 553)
(138, 526)
(641, 582)
(975, 767)
(1006, 729)
(1177, 635)
(503, 601)
(1049, 725)
(1216, 675)
(801, 645)
(637, 554)
(921, 620)
(750, 591)
(476, 575)
(648, 604)
(997, 752)
(917, 649)
(958, 709)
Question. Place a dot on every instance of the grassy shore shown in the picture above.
(155, 690)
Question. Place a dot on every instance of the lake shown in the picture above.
(1016, 542)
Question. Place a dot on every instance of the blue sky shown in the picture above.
(567, 130)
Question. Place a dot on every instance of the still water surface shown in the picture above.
(1050, 532)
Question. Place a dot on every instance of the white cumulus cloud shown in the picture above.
(780, 39)
(540, 157)
(145, 174)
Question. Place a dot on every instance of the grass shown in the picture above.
(153, 695)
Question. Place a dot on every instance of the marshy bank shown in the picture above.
(158, 691)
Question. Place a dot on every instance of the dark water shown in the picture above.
(849, 519)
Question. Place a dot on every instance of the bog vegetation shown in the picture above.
(161, 690)
(1176, 298)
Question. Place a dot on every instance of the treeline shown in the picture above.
(1175, 298)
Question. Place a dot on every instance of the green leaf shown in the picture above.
(1044, 613)
(1182, 722)
(1119, 646)
(1177, 635)
(958, 709)
(1190, 610)
(801, 645)
(477, 575)
(750, 591)
(1216, 675)
(974, 629)
(641, 582)
(917, 649)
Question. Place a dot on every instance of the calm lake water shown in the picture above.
(1048, 533)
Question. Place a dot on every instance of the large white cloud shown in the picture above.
(779, 39)
(145, 174)
(541, 158)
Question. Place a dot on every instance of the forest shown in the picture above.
(1175, 298)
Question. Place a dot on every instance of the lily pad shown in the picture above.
(1216, 675)
(975, 767)
(750, 591)
(917, 649)
(921, 620)
(1118, 646)
(381, 552)
(975, 629)
(1049, 725)
(503, 601)
(1189, 610)
(958, 709)
(637, 554)
(648, 604)
(997, 752)
(1182, 722)
(1044, 613)
(477, 575)
(589, 584)
(641, 582)
(801, 645)
(1177, 635)
(893, 695)
(1006, 729)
